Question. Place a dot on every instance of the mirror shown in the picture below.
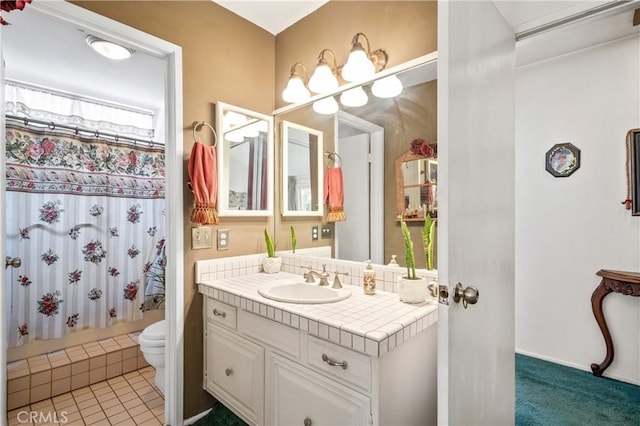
(416, 186)
(368, 140)
(245, 162)
(302, 170)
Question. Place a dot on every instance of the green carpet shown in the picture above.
(549, 394)
(220, 416)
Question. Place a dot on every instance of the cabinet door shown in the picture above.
(235, 372)
(298, 396)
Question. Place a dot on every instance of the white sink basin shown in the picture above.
(302, 293)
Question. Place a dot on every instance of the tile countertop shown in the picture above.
(370, 324)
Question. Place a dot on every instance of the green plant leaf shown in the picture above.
(293, 239)
(408, 251)
(271, 250)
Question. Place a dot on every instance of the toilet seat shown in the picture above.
(155, 331)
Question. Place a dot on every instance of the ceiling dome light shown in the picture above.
(354, 97)
(387, 87)
(108, 49)
(326, 106)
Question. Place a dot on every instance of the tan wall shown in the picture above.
(225, 58)
(405, 29)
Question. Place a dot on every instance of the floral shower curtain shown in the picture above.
(86, 216)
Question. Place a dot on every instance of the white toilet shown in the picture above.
(151, 342)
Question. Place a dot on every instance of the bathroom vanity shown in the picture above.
(364, 360)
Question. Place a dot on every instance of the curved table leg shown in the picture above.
(596, 304)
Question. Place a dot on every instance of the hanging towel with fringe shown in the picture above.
(334, 194)
(203, 175)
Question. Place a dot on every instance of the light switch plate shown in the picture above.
(223, 239)
(325, 230)
(201, 237)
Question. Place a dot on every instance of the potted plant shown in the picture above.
(272, 263)
(411, 288)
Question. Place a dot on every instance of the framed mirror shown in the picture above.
(302, 171)
(416, 186)
(634, 154)
(245, 161)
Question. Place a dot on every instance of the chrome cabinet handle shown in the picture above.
(333, 363)
(228, 371)
(219, 314)
(307, 422)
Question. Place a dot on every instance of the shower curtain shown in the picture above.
(86, 215)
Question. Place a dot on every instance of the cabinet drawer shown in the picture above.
(279, 336)
(221, 313)
(235, 372)
(348, 366)
(298, 396)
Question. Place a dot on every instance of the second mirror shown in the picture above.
(302, 171)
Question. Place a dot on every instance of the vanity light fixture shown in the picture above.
(108, 49)
(362, 64)
(326, 106)
(387, 87)
(324, 77)
(355, 97)
(296, 90)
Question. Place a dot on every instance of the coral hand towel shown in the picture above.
(203, 174)
(334, 194)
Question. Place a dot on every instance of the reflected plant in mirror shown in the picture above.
(245, 162)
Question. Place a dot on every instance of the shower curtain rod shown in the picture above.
(53, 126)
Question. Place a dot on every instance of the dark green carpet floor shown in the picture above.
(547, 394)
(220, 416)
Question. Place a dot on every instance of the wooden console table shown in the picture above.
(627, 283)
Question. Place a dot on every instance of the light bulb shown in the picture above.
(387, 87)
(234, 136)
(295, 91)
(323, 80)
(326, 106)
(358, 66)
(354, 97)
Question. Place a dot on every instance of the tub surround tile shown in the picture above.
(18, 369)
(38, 393)
(60, 386)
(18, 399)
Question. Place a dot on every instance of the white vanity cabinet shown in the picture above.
(269, 373)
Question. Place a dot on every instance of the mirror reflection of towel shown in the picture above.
(334, 194)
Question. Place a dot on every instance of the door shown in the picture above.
(476, 196)
(360, 144)
(5, 277)
(352, 237)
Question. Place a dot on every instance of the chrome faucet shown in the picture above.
(324, 275)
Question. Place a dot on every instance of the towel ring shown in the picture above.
(333, 156)
(197, 126)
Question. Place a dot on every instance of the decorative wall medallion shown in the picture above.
(562, 159)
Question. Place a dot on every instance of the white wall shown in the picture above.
(569, 228)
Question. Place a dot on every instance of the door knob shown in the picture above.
(468, 295)
(14, 262)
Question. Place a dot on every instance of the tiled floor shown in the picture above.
(129, 400)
